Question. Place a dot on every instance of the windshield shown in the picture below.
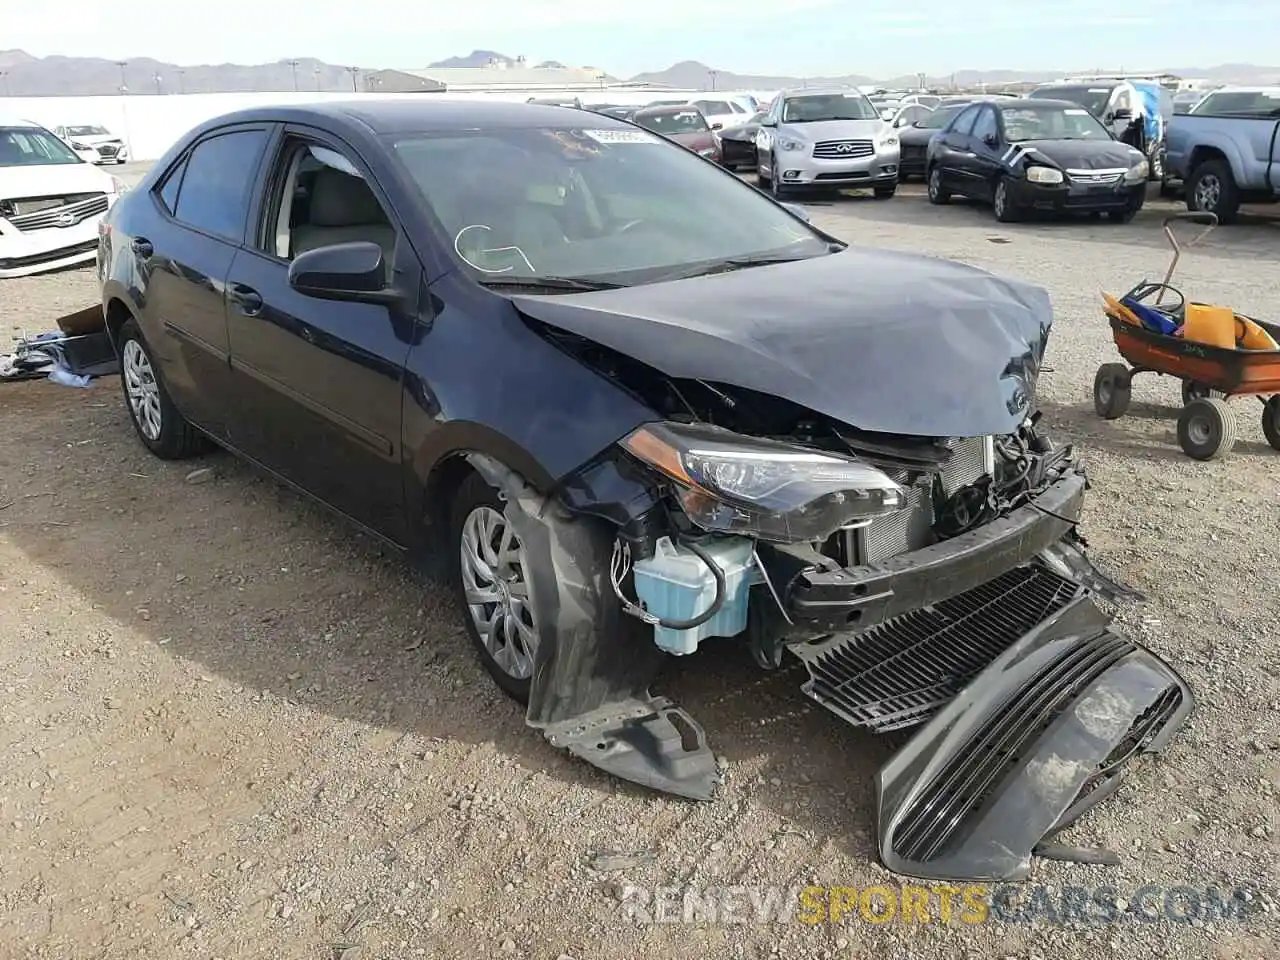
(87, 132)
(1240, 103)
(609, 205)
(815, 108)
(1093, 99)
(32, 147)
(1050, 122)
(673, 121)
(940, 117)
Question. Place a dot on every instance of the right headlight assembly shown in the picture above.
(1041, 174)
(732, 484)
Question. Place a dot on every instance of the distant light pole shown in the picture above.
(713, 74)
(157, 79)
(355, 73)
(182, 81)
(293, 65)
(122, 64)
(921, 77)
(316, 72)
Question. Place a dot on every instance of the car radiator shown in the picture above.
(912, 527)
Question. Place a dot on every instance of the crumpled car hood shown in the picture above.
(879, 340)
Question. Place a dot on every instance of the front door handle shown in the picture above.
(247, 299)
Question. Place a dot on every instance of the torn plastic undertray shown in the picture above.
(594, 665)
(1039, 737)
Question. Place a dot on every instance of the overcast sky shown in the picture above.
(629, 36)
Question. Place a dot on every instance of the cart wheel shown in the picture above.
(1206, 429)
(1111, 386)
(1271, 421)
(1198, 391)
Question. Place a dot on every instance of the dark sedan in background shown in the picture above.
(629, 404)
(1035, 155)
(738, 144)
(913, 140)
(684, 125)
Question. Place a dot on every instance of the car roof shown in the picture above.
(1037, 101)
(415, 115)
(669, 108)
(820, 91)
(8, 121)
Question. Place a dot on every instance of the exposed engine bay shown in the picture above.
(930, 582)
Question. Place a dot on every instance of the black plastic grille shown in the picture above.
(943, 810)
(901, 672)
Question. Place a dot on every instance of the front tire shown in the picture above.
(762, 180)
(1207, 429)
(1002, 204)
(938, 194)
(491, 583)
(1212, 189)
(157, 422)
(886, 193)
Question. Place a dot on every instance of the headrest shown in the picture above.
(341, 200)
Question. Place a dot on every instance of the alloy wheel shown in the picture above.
(1208, 192)
(142, 390)
(494, 582)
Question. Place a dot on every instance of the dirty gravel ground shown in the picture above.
(230, 727)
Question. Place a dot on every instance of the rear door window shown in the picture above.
(217, 187)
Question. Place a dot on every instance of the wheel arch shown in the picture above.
(117, 310)
(441, 465)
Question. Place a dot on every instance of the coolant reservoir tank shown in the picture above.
(675, 584)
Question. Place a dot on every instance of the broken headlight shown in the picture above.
(729, 483)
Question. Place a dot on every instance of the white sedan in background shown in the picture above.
(50, 201)
(94, 143)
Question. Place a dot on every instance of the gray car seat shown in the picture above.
(343, 210)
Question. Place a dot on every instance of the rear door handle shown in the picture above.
(247, 298)
(143, 248)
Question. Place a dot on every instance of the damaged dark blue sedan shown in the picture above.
(627, 404)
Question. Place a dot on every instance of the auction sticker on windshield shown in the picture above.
(620, 136)
(1075, 113)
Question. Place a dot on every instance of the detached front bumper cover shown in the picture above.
(1039, 737)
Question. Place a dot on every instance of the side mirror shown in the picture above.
(1122, 115)
(768, 122)
(798, 211)
(717, 126)
(343, 271)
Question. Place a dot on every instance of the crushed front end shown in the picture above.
(936, 583)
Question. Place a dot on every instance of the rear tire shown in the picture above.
(761, 180)
(1212, 189)
(1198, 391)
(1271, 422)
(156, 421)
(1206, 429)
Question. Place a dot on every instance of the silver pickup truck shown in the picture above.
(1226, 150)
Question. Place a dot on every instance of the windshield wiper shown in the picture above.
(550, 283)
(732, 263)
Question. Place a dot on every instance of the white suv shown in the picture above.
(50, 201)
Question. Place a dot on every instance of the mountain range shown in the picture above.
(23, 75)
